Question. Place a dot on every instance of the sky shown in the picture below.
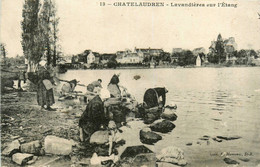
(86, 25)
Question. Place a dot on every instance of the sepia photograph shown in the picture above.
(130, 83)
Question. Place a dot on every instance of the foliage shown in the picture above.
(39, 32)
(186, 57)
(220, 50)
(49, 23)
(112, 63)
(165, 56)
(32, 36)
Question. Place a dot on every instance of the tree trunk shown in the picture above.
(32, 67)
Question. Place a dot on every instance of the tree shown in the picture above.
(112, 63)
(186, 58)
(32, 36)
(49, 22)
(220, 50)
(3, 53)
(165, 56)
(241, 56)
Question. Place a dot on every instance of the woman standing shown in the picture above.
(45, 89)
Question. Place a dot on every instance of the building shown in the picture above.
(198, 51)
(198, 61)
(128, 57)
(177, 50)
(202, 52)
(144, 52)
(93, 57)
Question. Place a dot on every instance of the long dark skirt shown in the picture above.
(151, 98)
(44, 97)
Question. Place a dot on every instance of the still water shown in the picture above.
(211, 101)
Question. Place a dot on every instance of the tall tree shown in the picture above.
(49, 22)
(32, 36)
(220, 49)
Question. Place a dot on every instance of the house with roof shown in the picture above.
(93, 57)
(177, 50)
(144, 52)
(129, 57)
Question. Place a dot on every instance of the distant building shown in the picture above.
(128, 57)
(93, 57)
(177, 50)
(144, 52)
(198, 61)
(230, 46)
(198, 51)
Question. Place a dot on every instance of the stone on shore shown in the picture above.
(230, 161)
(244, 159)
(166, 164)
(169, 114)
(172, 155)
(33, 147)
(148, 137)
(11, 148)
(22, 158)
(137, 156)
(32, 161)
(57, 146)
(229, 137)
(152, 114)
(99, 137)
(164, 127)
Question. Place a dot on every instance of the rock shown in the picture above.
(11, 148)
(84, 161)
(165, 164)
(15, 137)
(169, 114)
(57, 146)
(164, 127)
(244, 159)
(152, 114)
(229, 137)
(148, 137)
(21, 140)
(230, 161)
(172, 155)
(136, 77)
(204, 138)
(21, 158)
(150, 118)
(99, 137)
(32, 161)
(137, 156)
(217, 139)
(33, 147)
(189, 144)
